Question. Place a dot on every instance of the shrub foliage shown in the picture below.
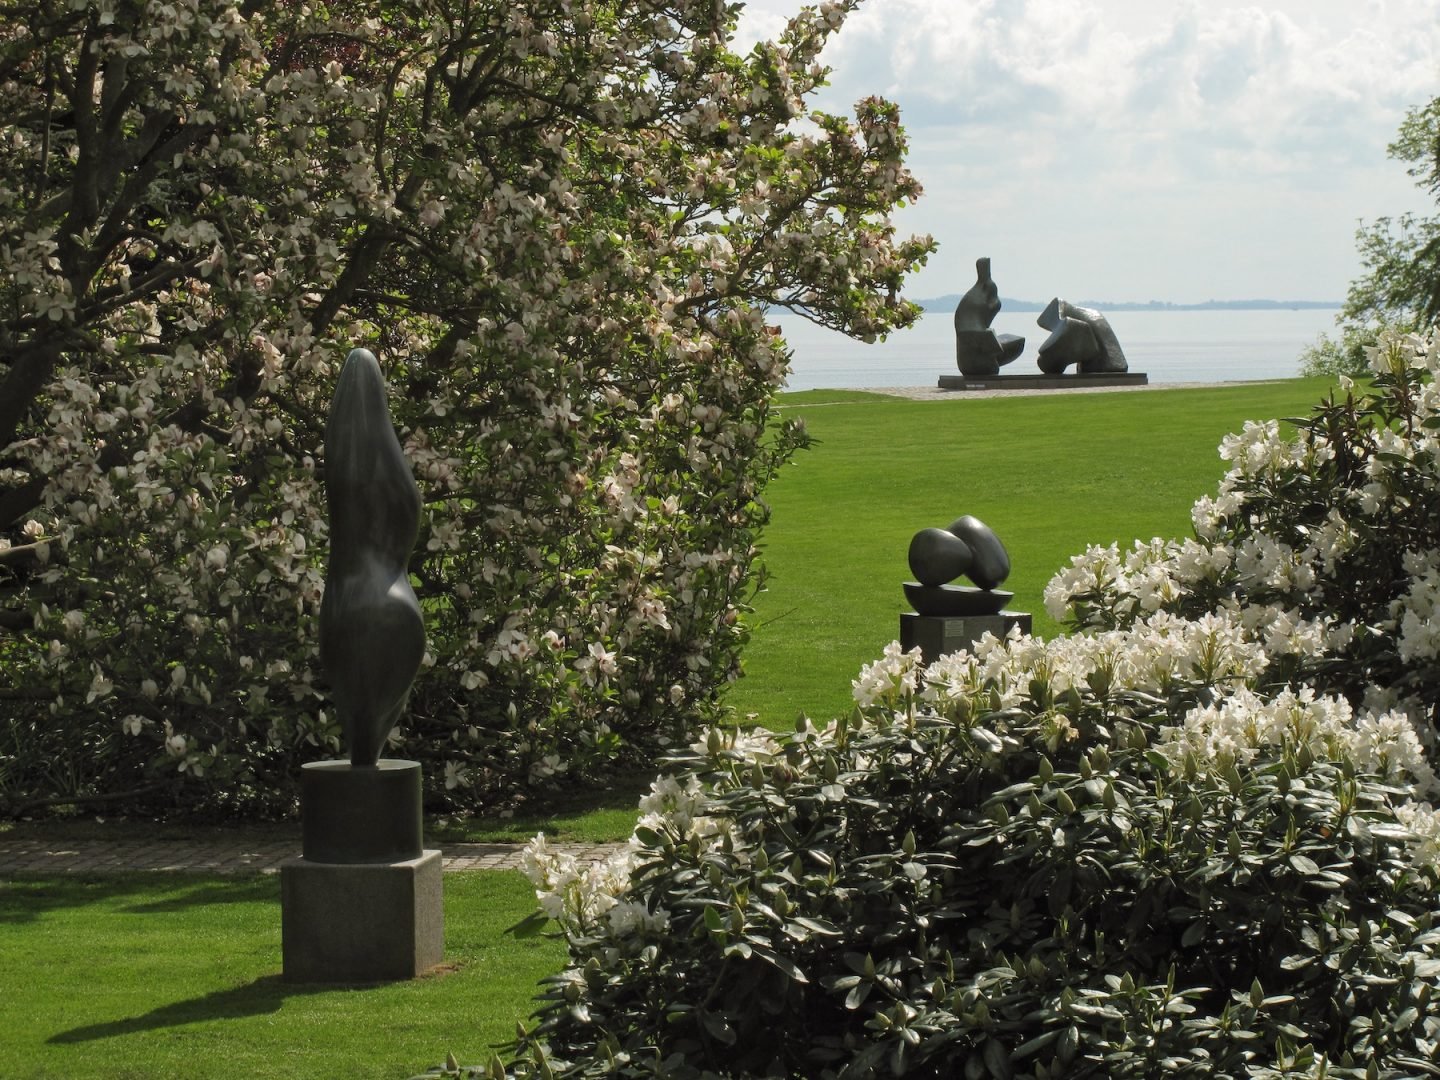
(1320, 544)
(1036, 861)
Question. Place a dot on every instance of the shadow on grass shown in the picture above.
(238, 890)
(263, 995)
(24, 899)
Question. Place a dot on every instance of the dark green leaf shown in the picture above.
(719, 1028)
(997, 1059)
(1305, 865)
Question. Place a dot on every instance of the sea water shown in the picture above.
(1169, 346)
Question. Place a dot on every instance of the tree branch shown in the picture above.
(30, 370)
(22, 552)
(16, 809)
(19, 501)
(364, 257)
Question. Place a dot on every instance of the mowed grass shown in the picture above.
(1050, 474)
(141, 976)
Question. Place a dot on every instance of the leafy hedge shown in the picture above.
(1036, 861)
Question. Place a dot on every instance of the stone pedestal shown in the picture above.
(937, 635)
(1076, 381)
(361, 922)
(355, 814)
(364, 901)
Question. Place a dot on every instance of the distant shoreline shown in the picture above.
(948, 302)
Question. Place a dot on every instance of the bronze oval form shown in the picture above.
(938, 556)
(990, 562)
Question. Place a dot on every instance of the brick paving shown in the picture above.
(224, 856)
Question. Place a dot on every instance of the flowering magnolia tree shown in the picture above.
(558, 222)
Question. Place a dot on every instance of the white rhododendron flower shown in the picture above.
(894, 675)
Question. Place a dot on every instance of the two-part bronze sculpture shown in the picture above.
(1078, 335)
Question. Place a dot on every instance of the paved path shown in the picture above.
(224, 856)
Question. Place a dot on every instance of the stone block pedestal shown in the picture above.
(361, 922)
(936, 635)
(364, 902)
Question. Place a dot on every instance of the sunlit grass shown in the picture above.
(1050, 474)
(147, 975)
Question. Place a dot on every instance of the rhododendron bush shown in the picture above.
(557, 222)
(1321, 546)
(1102, 856)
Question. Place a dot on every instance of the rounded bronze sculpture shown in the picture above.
(938, 556)
(967, 546)
(1079, 336)
(990, 564)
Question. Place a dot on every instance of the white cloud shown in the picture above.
(1177, 149)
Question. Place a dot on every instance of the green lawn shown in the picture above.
(1050, 474)
(142, 976)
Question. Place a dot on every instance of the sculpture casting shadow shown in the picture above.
(23, 902)
(265, 994)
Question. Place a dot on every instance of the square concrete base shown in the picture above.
(361, 922)
(937, 636)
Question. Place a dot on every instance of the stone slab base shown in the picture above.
(361, 922)
(1042, 382)
(936, 635)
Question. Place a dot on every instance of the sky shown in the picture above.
(1176, 150)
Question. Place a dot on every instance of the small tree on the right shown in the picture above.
(1400, 288)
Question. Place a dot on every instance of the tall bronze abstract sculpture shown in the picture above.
(363, 902)
(978, 349)
(372, 635)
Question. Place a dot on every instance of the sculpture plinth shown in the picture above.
(354, 814)
(1077, 381)
(936, 635)
(363, 902)
(361, 922)
(948, 601)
